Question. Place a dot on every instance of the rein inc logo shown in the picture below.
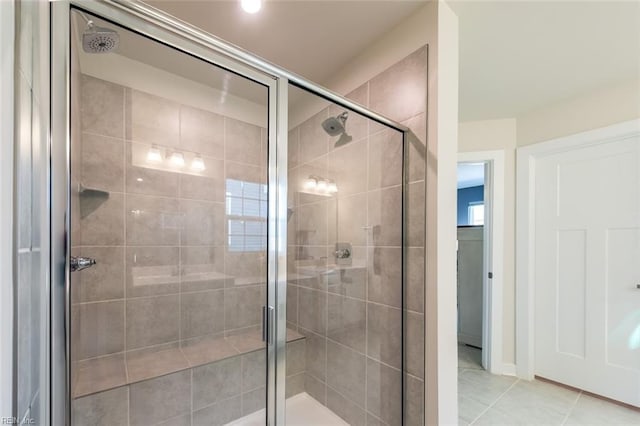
(14, 421)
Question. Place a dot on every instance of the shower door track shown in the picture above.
(166, 29)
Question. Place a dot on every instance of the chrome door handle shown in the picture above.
(80, 263)
(268, 322)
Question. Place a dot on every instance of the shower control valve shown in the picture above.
(344, 253)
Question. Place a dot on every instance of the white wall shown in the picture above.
(490, 135)
(600, 108)
(6, 212)
(437, 26)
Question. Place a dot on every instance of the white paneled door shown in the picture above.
(587, 267)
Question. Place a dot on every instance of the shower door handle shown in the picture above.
(80, 263)
(268, 324)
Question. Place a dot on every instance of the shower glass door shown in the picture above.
(169, 195)
(345, 299)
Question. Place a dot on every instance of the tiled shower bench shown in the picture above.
(211, 382)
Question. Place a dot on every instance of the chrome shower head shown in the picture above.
(335, 125)
(99, 40)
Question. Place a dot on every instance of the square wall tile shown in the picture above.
(345, 408)
(243, 306)
(243, 142)
(385, 276)
(385, 216)
(384, 334)
(104, 280)
(416, 215)
(201, 132)
(102, 223)
(152, 321)
(148, 181)
(385, 159)
(152, 119)
(400, 92)
(102, 106)
(208, 188)
(201, 313)
(203, 223)
(102, 409)
(347, 220)
(101, 327)
(219, 413)
(163, 398)
(153, 221)
(102, 162)
(254, 370)
(151, 271)
(415, 344)
(346, 372)
(347, 166)
(216, 381)
(316, 355)
(347, 320)
(384, 392)
(313, 310)
(202, 268)
(417, 146)
(314, 142)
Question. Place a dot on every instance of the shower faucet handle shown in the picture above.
(80, 263)
(344, 253)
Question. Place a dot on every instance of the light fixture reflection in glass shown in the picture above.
(310, 183)
(198, 164)
(177, 159)
(332, 188)
(154, 155)
(251, 6)
(322, 185)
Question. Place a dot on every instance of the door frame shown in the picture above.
(493, 256)
(525, 228)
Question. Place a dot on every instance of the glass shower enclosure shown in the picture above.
(227, 239)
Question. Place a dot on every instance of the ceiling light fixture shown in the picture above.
(251, 6)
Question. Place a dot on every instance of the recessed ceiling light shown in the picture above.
(251, 6)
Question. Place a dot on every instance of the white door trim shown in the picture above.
(492, 325)
(525, 229)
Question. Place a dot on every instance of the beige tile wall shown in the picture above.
(353, 319)
(169, 221)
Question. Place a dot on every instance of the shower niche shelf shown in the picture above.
(90, 199)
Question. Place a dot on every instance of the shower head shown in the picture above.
(99, 40)
(343, 140)
(335, 125)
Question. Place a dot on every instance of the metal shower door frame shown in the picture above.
(161, 27)
(60, 396)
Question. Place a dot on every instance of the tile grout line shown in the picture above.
(571, 408)
(494, 402)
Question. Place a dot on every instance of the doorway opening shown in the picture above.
(480, 255)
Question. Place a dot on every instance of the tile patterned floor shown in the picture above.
(487, 399)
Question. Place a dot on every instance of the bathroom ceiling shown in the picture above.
(518, 56)
(515, 56)
(312, 38)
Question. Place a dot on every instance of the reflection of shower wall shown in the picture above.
(164, 274)
(352, 319)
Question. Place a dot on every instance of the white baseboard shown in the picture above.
(508, 369)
